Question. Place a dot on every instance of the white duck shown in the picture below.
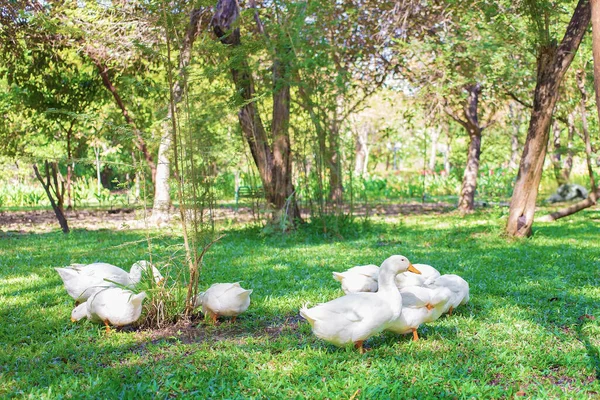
(112, 306)
(407, 279)
(82, 281)
(355, 317)
(228, 299)
(419, 305)
(362, 278)
(458, 287)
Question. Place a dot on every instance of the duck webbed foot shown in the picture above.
(359, 346)
(415, 334)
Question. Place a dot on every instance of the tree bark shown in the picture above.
(447, 150)
(568, 164)
(162, 196)
(98, 178)
(466, 202)
(515, 117)
(57, 205)
(553, 62)
(595, 18)
(274, 164)
(336, 189)
(362, 149)
(560, 173)
(435, 135)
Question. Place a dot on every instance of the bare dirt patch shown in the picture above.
(40, 221)
(198, 331)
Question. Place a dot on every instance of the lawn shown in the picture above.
(529, 330)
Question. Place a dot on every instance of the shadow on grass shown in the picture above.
(591, 350)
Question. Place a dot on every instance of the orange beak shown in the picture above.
(160, 282)
(429, 307)
(412, 269)
(73, 319)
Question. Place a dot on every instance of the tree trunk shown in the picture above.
(515, 117)
(568, 164)
(584, 127)
(69, 165)
(137, 177)
(274, 164)
(99, 183)
(335, 165)
(59, 190)
(447, 150)
(466, 202)
(595, 17)
(162, 196)
(556, 156)
(362, 150)
(469, 184)
(435, 134)
(553, 63)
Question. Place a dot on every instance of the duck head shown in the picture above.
(397, 264)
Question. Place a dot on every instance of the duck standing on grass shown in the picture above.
(111, 306)
(355, 317)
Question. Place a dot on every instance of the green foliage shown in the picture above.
(495, 183)
(530, 328)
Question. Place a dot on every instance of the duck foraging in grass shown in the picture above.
(82, 281)
(227, 299)
(111, 306)
(355, 317)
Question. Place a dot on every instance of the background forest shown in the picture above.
(311, 104)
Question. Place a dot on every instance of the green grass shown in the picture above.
(529, 327)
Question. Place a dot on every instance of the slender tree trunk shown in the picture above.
(469, 184)
(362, 150)
(568, 164)
(70, 165)
(98, 183)
(515, 117)
(162, 195)
(556, 156)
(553, 63)
(435, 135)
(594, 191)
(466, 201)
(137, 177)
(58, 189)
(335, 164)
(274, 164)
(584, 126)
(447, 151)
(595, 17)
